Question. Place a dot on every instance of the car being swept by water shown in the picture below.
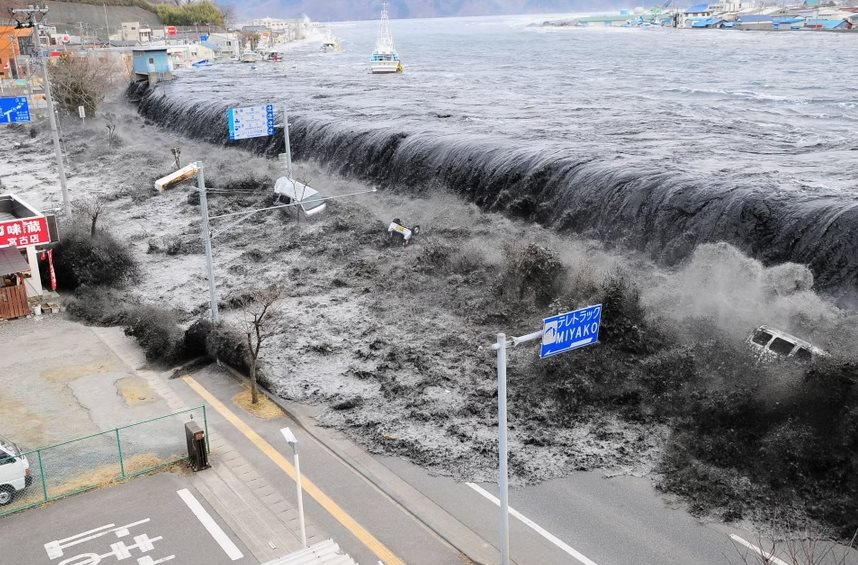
(771, 344)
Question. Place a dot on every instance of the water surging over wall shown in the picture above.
(647, 208)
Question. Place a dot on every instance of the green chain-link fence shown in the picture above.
(96, 460)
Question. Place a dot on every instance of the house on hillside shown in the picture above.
(14, 43)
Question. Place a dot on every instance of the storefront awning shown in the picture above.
(11, 261)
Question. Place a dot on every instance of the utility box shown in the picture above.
(197, 453)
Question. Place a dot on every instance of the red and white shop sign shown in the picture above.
(24, 232)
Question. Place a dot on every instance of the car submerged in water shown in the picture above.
(771, 344)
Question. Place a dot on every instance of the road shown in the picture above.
(150, 520)
(616, 521)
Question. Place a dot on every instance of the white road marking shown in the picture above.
(535, 527)
(769, 558)
(208, 523)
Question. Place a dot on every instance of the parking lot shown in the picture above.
(151, 520)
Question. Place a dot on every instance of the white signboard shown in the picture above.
(253, 121)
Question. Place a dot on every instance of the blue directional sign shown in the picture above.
(571, 330)
(252, 121)
(14, 109)
(204, 37)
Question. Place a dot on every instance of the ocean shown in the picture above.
(659, 139)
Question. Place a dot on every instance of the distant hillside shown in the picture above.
(68, 16)
(339, 10)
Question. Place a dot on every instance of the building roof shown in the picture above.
(212, 46)
(152, 48)
(825, 24)
(697, 9)
(753, 18)
(706, 22)
(11, 261)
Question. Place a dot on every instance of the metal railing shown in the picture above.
(99, 459)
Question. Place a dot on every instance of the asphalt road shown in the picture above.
(616, 521)
(143, 522)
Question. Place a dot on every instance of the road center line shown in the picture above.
(380, 550)
(766, 556)
(209, 524)
(535, 527)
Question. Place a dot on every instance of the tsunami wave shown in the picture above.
(652, 209)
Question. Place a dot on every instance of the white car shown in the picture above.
(771, 343)
(14, 471)
(291, 191)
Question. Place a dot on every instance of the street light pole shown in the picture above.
(503, 480)
(61, 171)
(293, 441)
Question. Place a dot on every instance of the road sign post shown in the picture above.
(559, 334)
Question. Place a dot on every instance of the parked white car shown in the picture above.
(291, 191)
(772, 343)
(14, 471)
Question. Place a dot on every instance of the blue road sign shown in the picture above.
(252, 121)
(571, 330)
(204, 37)
(14, 109)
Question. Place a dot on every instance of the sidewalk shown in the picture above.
(265, 521)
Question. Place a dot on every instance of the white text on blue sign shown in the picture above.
(571, 330)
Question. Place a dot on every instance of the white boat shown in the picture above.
(249, 57)
(385, 58)
(330, 44)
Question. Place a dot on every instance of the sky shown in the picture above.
(343, 10)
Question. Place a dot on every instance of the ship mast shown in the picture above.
(384, 41)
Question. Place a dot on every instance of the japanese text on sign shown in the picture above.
(24, 232)
(571, 330)
(252, 121)
(119, 551)
(14, 109)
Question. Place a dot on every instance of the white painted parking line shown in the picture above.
(535, 527)
(209, 524)
(763, 555)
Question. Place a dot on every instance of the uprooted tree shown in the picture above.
(260, 309)
(82, 81)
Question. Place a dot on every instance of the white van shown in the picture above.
(14, 471)
(772, 343)
(291, 191)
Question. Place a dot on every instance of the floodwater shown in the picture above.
(661, 139)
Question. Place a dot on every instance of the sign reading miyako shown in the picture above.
(24, 232)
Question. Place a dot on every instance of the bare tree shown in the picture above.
(789, 546)
(110, 124)
(259, 310)
(90, 207)
(82, 81)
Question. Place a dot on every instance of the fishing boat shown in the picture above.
(330, 44)
(385, 58)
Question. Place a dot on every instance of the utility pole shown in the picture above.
(33, 14)
(207, 240)
(106, 24)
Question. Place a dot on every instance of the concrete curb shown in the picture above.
(423, 509)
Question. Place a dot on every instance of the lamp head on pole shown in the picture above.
(289, 436)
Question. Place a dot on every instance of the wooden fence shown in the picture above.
(13, 302)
